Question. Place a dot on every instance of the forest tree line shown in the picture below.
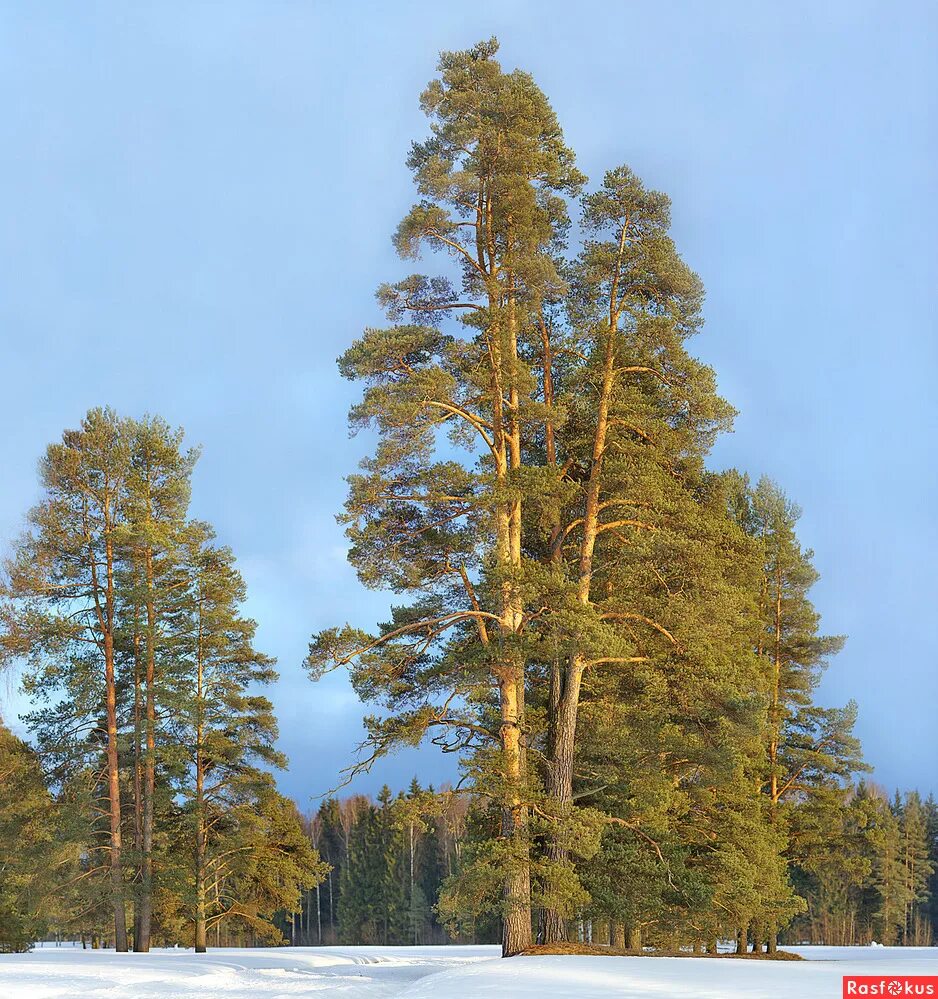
(864, 864)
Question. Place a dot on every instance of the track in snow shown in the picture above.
(51, 972)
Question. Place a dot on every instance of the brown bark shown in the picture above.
(516, 893)
(775, 712)
(758, 937)
(113, 773)
(145, 904)
(548, 366)
(138, 758)
(200, 904)
(510, 675)
(200, 828)
(559, 782)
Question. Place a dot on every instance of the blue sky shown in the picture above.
(197, 205)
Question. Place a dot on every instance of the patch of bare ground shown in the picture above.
(592, 950)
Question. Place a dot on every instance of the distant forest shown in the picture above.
(616, 641)
(867, 874)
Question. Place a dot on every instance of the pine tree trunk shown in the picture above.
(757, 937)
(516, 912)
(138, 761)
(618, 935)
(142, 942)
(559, 779)
(114, 800)
(200, 827)
(635, 938)
(742, 943)
(200, 899)
(563, 726)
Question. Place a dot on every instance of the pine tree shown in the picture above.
(831, 866)
(141, 672)
(158, 489)
(62, 612)
(567, 548)
(810, 751)
(640, 415)
(804, 742)
(227, 731)
(491, 179)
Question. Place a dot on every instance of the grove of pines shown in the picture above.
(615, 640)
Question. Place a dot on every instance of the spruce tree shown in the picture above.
(888, 874)
(332, 847)
(930, 807)
(918, 867)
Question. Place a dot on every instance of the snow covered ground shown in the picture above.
(818, 977)
(438, 973)
(51, 972)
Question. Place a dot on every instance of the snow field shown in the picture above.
(439, 973)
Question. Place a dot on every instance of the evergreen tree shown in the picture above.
(567, 549)
(491, 179)
(61, 618)
(804, 743)
(810, 751)
(888, 880)
(37, 854)
(142, 674)
(930, 907)
(332, 845)
(158, 488)
(831, 866)
(374, 902)
(640, 415)
(918, 866)
(227, 733)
